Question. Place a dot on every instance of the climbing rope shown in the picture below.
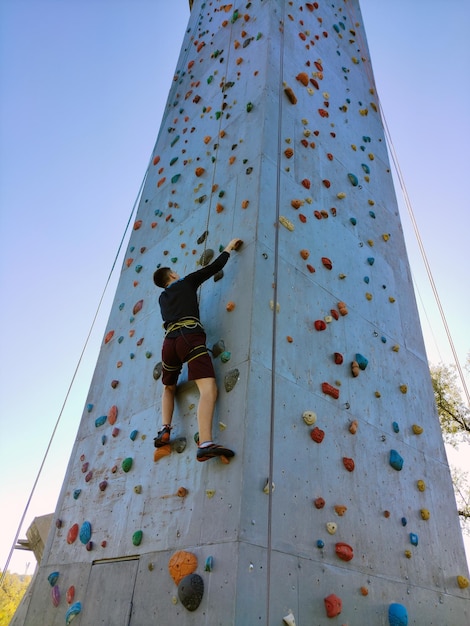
(41, 467)
(390, 145)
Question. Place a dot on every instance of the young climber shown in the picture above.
(185, 342)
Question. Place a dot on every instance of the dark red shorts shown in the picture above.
(190, 349)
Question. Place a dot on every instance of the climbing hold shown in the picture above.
(396, 427)
(53, 578)
(425, 514)
(342, 308)
(304, 254)
(327, 183)
(404, 521)
(331, 527)
(403, 388)
(199, 171)
(190, 591)
(289, 153)
(309, 417)
(112, 414)
(249, 107)
(76, 493)
(462, 582)
(109, 336)
(353, 221)
(361, 361)
(327, 263)
(296, 203)
(231, 379)
(414, 539)
(371, 260)
(291, 95)
(319, 325)
(137, 307)
(70, 594)
(319, 503)
(137, 537)
(133, 435)
(209, 565)
(138, 489)
(286, 223)
(127, 464)
(338, 358)
(225, 356)
(340, 509)
(206, 257)
(162, 451)
(353, 179)
(421, 485)
(303, 78)
(348, 464)
(397, 615)
(344, 551)
(289, 619)
(230, 306)
(103, 484)
(72, 534)
(182, 564)
(396, 461)
(329, 390)
(317, 434)
(355, 369)
(73, 611)
(157, 371)
(417, 430)
(353, 427)
(333, 605)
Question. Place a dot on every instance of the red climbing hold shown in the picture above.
(329, 390)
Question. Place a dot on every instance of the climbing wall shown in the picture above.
(339, 503)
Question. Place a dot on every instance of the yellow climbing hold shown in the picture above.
(341, 195)
(421, 485)
(286, 223)
(404, 388)
(462, 582)
(418, 430)
(210, 493)
(425, 514)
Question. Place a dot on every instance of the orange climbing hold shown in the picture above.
(288, 153)
(112, 414)
(327, 263)
(304, 254)
(182, 564)
(302, 78)
(296, 204)
(329, 390)
(199, 171)
(156, 160)
(342, 308)
(291, 95)
(161, 181)
(306, 183)
(161, 452)
(109, 336)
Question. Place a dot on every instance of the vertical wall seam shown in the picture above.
(274, 331)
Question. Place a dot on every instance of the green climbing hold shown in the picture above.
(175, 140)
(249, 107)
(173, 160)
(127, 464)
(137, 537)
(235, 16)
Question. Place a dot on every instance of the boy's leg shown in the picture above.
(205, 410)
(168, 404)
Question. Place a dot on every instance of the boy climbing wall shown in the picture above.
(185, 342)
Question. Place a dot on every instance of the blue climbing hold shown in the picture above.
(404, 521)
(397, 615)
(85, 532)
(366, 280)
(353, 220)
(361, 361)
(133, 435)
(396, 428)
(320, 543)
(209, 566)
(371, 260)
(99, 421)
(396, 461)
(413, 539)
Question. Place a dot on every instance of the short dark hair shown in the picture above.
(161, 276)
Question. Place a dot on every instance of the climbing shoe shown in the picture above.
(163, 437)
(213, 450)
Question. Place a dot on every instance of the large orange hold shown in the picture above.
(161, 452)
(112, 414)
(182, 564)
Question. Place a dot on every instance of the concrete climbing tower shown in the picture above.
(339, 501)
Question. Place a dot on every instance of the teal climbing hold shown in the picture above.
(175, 178)
(366, 168)
(133, 435)
(138, 268)
(89, 408)
(371, 260)
(361, 361)
(372, 214)
(175, 140)
(85, 532)
(53, 578)
(336, 27)
(396, 460)
(173, 160)
(73, 611)
(249, 107)
(396, 427)
(76, 494)
(353, 220)
(99, 421)
(366, 280)
(208, 567)
(353, 179)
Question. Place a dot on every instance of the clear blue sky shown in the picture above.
(83, 87)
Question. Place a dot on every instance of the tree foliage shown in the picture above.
(454, 417)
(11, 593)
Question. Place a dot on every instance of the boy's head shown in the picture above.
(164, 276)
